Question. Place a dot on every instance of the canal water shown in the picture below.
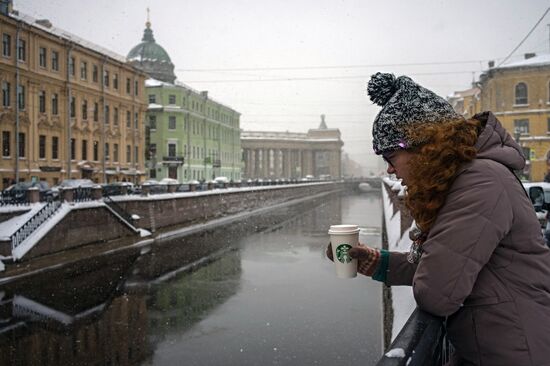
(257, 292)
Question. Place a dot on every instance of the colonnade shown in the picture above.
(278, 163)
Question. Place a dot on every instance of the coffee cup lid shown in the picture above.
(343, 229)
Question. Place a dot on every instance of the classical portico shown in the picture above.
(292, 155)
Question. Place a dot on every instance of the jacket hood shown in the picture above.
(495, 143)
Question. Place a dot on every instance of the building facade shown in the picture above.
(70, 109)
(292, 155)
(189, 135)
(519, 95)
(466, 102)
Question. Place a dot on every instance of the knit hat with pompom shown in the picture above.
(404, 103)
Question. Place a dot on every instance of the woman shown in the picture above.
(478, 257)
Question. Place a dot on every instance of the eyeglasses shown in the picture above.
(387, 159)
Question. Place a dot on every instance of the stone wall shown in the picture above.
(81, 227)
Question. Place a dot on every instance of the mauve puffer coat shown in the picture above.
(485, 265)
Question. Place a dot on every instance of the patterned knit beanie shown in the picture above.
(404, 103)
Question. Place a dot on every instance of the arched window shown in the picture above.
(521, 93)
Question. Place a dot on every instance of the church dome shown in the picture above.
(150, 57)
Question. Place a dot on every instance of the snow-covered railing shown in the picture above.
(34, 223)
(119, 210)
(421, 342)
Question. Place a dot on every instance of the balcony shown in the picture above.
(216, 163)
(175, 159)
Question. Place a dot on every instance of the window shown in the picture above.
(107, 117)
(106, 78)
(96, 112)
(42, 57)
(153, 122)
(136, 88)
(55, 147)
(5, 143)
(152, 151)
(152, 173)
(128, 86)
(521, 126)
(95, 73)
(21, 145)
(128, 153)
(73, 107)
(115, 116)
(136, 156)
(521, 93)
(171, 149)
(171, 122)
(106, 151)
(152, 98)
(548, 125)
(22, 50)
(172, 99)
(84, 149)
(55, 60)
(84, 110)
(42, 101)
(73, 149)
(83, 70)
(6, 94)
(96, 151)
(6, 45)
(21, 97)
(115, 152)
(136, 119)
(55, 104)
(115, 81)
(128, 119)
(71, 66)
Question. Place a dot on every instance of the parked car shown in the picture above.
(18, 192)
(539, 193)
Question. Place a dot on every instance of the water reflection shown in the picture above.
(264, 295)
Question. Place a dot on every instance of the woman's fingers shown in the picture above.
(329, 252)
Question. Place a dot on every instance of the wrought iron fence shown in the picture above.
(34, 223)
(14, 197)
(422, 342)
(81, 194)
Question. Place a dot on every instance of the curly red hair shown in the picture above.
(442, 149)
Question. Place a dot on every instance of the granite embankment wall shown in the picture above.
(87, 225)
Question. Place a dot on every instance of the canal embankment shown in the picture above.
(90, 229)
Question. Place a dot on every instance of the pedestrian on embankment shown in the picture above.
(478, 257)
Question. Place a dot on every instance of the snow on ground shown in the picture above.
(402, 296)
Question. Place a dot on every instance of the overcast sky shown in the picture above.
(283, 63)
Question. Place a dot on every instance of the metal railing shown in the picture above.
(14, 197)
(423, 341)
(119, 210)
(82, 194)
(34, 223)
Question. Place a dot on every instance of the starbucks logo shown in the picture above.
(342, 253)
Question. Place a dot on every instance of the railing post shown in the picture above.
(172, 188)
(33, 195)
(97, 192)
(145, 189)
(67, 194)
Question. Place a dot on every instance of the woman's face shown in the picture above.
(398, 163)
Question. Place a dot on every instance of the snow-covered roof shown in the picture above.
(538, 60)
(63, 34)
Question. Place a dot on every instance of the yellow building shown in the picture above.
(466, 102)
(519, 95)
(77, 109)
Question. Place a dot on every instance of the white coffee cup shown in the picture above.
(343, 238)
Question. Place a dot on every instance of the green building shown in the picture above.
(189, 136)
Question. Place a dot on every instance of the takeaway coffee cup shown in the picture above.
(343, 238)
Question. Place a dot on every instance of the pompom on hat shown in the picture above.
(404, 103)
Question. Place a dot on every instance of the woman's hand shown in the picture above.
(367, 258)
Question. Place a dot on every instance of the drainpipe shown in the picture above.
(102, 129)
(69, 97)
(18, 31)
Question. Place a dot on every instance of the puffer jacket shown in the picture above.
(485, 266)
